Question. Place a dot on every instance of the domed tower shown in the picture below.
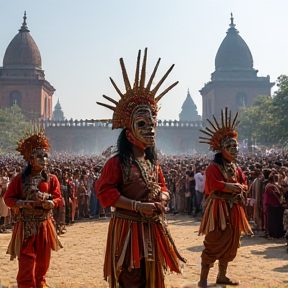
(58, 114)
(234, 83)
(189, 110)
(22, 80)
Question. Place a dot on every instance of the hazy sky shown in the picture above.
(81, 41)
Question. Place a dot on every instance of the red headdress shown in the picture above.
(35, 139)
(137, 96)
(218, 133)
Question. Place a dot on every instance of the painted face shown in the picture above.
(143, 126)
(39, 158)
(230, 149)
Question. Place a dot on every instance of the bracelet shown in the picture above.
(137, 206)
(134, 205)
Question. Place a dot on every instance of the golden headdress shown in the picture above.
(218, 133)
(138, 95)
(36, 138)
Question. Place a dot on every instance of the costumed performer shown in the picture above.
(224, 217)
(33, 194)
(139, 246)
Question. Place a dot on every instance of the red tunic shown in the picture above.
(129, 232)
(223, 220)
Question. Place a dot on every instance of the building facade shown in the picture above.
(22, 80)
(234, 83)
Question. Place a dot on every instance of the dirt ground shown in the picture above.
(260, 262)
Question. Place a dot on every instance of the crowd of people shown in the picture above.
(184, 177)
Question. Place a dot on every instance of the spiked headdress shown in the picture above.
(138, 95)
(36, 138)
(218, 133)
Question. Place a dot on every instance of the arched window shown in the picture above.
(15, 98)
(241, 100)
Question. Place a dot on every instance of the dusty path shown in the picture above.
(260, 262)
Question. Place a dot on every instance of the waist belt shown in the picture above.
(230, 197)
(135, 216)
(34, 214)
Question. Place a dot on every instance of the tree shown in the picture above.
(267, 120)
(12, 128)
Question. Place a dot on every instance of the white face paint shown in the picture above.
(39, 158)
(143, 126)
(230, 149)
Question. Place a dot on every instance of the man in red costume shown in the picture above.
(224, 218)
(139, 245)
(33, 194)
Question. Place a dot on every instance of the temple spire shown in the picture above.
(24, 27)
(232, 25)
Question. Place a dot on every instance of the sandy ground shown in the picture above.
(260, 262)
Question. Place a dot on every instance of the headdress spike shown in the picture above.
(137, 71)
(205, 132)
(110, 99)
(234, 120)
(216, 122)
(116, 88)
(138, 96)
(221, 132)
(212, 124)
(230, 118)
(125, 76)
(159, 97)
(154, 91)
(106, 105)
(143, 71)
(153, 75)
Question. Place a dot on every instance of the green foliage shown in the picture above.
(12, 128)
(267, 120)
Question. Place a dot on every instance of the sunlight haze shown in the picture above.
(81, 42)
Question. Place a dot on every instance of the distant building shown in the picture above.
(22, 80)
(58, 114)
(189, 110)
(234, 83)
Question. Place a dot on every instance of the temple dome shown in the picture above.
(22, 50)
(233, 52)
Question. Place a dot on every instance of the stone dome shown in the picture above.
(22, 50)
(233, 52)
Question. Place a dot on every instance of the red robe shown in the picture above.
(127, 236)
(223, 220)
(33, 252)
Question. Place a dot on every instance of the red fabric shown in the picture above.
(33, 266)
(35, 251)
(269, 196)
(106, 185)
(15, 191)
(214, 178)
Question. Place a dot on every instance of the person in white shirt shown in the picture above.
(199, 187)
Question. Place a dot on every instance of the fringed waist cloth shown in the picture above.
(224, 209)
(133, 237)
(45, 228)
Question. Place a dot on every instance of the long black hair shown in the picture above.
(218, 158)
(125, 151)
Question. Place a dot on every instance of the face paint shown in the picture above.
(143, 126)
(229, 149)
(39, 158)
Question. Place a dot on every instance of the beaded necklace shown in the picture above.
(149, 175)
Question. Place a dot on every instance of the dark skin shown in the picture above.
(123, 202)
